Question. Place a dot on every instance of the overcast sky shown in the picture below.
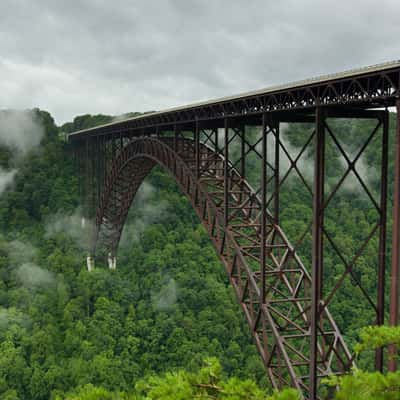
(102, 56)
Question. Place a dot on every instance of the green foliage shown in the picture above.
(373, 337)
(167, 307)
(90, 392)
(286, 394)
(361, 385)
(205, 384)
(144, 331)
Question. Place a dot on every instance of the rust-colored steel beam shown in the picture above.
(226, 172)
(395, 273)
(317, 248)
(264, 216)
(277, 173)
(380, 320)
(197, 148)
(242, 152)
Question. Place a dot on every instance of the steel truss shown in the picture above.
(285, 303)
(280, 285)
(364, 88)
(276, 298)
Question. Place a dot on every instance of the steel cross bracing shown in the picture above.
(276, 299)
(213, 155)
(286, 309)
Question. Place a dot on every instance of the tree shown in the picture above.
(361, 385)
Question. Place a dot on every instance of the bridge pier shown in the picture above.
(112, 261)
(90, 263)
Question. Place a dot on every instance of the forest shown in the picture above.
(165, 324)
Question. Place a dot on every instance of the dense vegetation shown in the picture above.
(165, 324)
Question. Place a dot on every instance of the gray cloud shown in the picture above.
(73, 225)
(20, 252)
(167, 295)
(368, 173)
(6, 179)
(32, 276)
(150, 213)
(20, 130)
(83, 56)
(22, 256)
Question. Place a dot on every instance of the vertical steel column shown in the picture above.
(98, 169)
(395, 282)
(263, 205)
(115, 197)
(277, 172)
(87, 180)
(113, 147)
(93, 178)
(382, 237)
(226, 172)
(82, 174)
(78, 149)
(103, 161)
(197, 148)
(242, 153)
(176, 137)
(317, 246)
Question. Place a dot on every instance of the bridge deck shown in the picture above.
(368, 87)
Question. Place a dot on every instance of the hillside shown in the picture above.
(168, 306)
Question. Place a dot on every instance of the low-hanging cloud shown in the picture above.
(22, 257)
(167, 296)
(20, 130)
(149, 213)
(21, 252)
(32, 276)
(6, 178)
(368, 174)
(304, 164)
(74, 225)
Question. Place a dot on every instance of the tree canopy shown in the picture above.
(165, 324)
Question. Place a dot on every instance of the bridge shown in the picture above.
(211, 150)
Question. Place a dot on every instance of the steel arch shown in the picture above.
(272, 285)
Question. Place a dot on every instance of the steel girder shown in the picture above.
(362, 89)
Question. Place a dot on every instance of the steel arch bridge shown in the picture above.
(207, 148)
